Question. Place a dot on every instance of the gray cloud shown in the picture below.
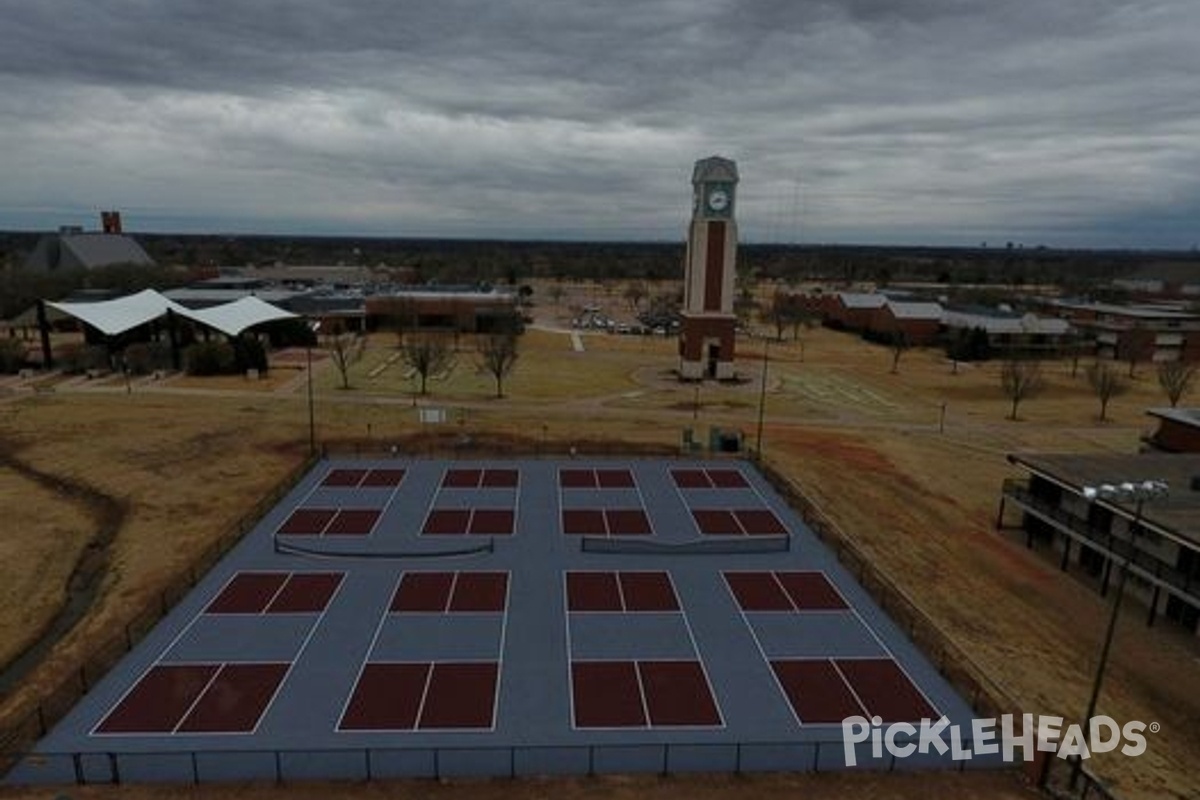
(1072, 123)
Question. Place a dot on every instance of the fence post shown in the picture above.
(77, 763)
(114, 769)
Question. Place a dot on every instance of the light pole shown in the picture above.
(312, 419)
(1139, 493)
(762, 403)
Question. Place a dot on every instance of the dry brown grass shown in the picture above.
(861, 441)
(39, 541)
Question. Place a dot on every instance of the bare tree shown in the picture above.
(635, 293)
(1176, 378)
(898, 343)
(429, 357)
(1106, 384)
(344, 349)
(802, 318)
(556, 293)
(497, 356)
(778, 313)
(403, 314)
(1020, 380)
(1075, 345)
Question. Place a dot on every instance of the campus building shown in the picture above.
(919, 323)
(1135, 333)
(72, 248)
(1026, 334)
(1157, 541)
(1178, 430)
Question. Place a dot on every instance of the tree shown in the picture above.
(1176, 378)
(555, 293)
(497, 356)
(635, 293)
(1106, 384)
(427, 357)
(343, 351)
(1020, 380)
(779, 313)
(402, 313)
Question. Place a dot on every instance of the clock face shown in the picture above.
(718, 200)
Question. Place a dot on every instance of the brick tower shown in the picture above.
(706, 336)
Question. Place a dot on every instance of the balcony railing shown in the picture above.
(1139, 561)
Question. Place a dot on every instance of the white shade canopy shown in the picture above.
(113, 317)
(233, 318)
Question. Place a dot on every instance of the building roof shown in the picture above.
(714, 168)
(1178, 513)
(198, 295)
(86, 251)
(866, 300)
(997, 324)
(915, 310)
(1132, 312)
(1184, 416)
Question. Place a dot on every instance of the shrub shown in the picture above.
(12, 356)
(249, 353)
(290, 333)
(75, 359)
(142, 358)
(210, 358)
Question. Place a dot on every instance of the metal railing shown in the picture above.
(380, 763)
(1137, 561)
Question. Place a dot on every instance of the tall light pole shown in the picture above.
(312, 419)
(762, 403)
(1139, 493)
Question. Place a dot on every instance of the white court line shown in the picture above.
(370, 649)
(300, 653)
(879, 640)
(424, 693)
(570, 659)
(199, 697)
(712, 694)
(862, 705)
(500, 655)
(762, 651)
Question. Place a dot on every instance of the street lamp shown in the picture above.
(312, 420)
(1139, 493)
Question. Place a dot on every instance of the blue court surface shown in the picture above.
(432, 618)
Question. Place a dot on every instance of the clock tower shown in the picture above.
(706, 336)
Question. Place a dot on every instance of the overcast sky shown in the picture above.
(1057, 122)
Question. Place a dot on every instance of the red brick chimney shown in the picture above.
(110, 221)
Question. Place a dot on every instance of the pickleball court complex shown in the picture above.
(397, 618)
